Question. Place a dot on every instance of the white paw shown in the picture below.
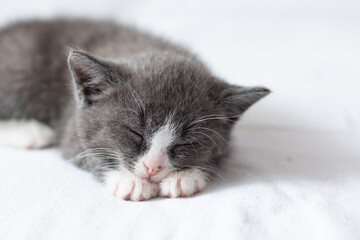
(183, 184)
(127, 186)
(25, 134)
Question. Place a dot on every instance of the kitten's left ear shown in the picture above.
(235, 100)
(92, 76)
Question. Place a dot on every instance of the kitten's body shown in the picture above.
(34, 75)
(153, 104)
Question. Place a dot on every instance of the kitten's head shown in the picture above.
(156, 113)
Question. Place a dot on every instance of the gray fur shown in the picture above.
(121, 87)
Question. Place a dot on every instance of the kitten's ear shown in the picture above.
(92, 77)
(235, 100)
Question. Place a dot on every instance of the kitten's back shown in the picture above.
(34, 78)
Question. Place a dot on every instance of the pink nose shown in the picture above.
(153, 169)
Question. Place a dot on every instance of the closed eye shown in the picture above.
(184, 150)
(135, 133)
(185, 145)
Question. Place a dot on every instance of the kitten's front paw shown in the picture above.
(183, 184)
(125, 185)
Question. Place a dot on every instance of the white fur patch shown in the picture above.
(183, 184)
(28, 134)
(125, 185)
(162, 138)
(160, 142)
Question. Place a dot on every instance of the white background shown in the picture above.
(295, 169)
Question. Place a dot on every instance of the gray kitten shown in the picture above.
(143, 115)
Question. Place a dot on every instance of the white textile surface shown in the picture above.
(294, 172)
(279, 185)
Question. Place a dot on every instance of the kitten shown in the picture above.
(143, 115)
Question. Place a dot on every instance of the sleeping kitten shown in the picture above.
(143, 115)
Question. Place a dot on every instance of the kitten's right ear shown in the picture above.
(235, 100)
(92, 77)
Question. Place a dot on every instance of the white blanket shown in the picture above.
(279, 185)
(295, 169)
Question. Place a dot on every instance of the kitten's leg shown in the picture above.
(28, 134)
(183, 184)
(125, 185)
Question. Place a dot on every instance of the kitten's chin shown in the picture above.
(152, 179)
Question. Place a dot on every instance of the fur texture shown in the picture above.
(143, 115)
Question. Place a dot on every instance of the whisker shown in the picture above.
(102, 167)
(211, 130)
(94, 153)
(213, 117)
(195, 140)
(209, 138)
(208, 169)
